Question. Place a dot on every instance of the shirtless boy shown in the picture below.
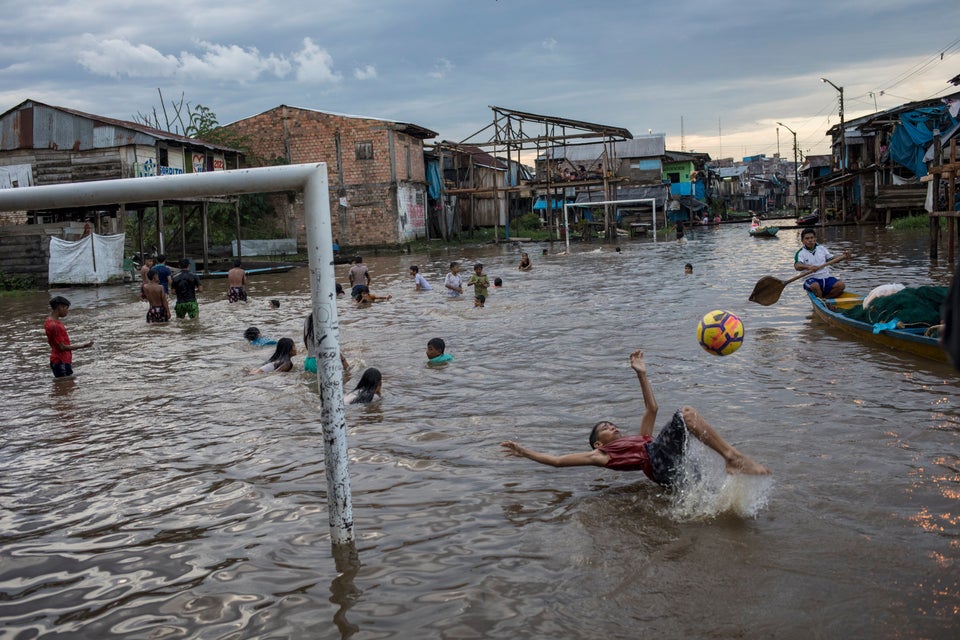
(237, 280)
(156, 297)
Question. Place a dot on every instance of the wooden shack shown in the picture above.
(41, 144)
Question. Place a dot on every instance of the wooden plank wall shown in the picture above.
(25, 249)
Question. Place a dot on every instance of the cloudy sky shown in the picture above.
(715, 76)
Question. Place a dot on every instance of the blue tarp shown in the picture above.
(915, 131)
(541, 204)
(434, 180)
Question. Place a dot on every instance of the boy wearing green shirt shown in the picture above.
(480, 283)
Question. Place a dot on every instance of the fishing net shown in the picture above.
(913, 307)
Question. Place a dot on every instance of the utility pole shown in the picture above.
(796, 174)
(843, 151)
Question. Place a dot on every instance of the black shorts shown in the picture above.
(666, 452)
(61, 369)
(358, 290)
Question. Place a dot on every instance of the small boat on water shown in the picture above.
(911, 339)
(809, 219)
(764, 232)
(280, 268)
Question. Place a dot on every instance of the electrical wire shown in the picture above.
(941, 55)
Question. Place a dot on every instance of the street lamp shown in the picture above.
(796, 180)
(843, 148)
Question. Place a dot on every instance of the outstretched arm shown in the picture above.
(594, 458)
(650, 407)
(73, 347)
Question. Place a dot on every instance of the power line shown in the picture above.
(918, 68)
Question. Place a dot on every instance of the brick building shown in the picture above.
(375, 171)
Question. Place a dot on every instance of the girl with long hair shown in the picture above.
(367, 390)
(281, 358)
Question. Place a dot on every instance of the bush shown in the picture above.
(914, 222)
(16, 283)
(530, 222)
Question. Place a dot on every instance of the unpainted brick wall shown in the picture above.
(369, 185)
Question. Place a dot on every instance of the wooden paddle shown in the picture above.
(768, 289)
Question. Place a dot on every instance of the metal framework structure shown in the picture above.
(513, 135)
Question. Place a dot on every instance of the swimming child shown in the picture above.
(361, 293)
(497, 282)
(688, 268)
(256, 339)
(274, 304)
(435, 351)
(367, 390)
(479, 282)
(419, 282)
(525, 264)
(310, 344)
(281, 358)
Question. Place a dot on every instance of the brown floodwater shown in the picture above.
(164, 493)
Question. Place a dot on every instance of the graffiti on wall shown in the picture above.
(149, 168)
(146, 168)
(411, 209)
(199, 163)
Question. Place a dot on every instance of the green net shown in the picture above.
(912, 306)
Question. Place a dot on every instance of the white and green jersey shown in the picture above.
(814, 258)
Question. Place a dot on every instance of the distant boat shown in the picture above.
(280, 268)
(764, 232)
(809, 219)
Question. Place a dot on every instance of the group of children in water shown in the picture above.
(660, 457)
(369, 386)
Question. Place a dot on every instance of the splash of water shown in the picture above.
(709, 491)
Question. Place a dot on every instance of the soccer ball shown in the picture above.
(720, 333)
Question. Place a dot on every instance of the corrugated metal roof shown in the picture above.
(731, 172)
(124, 124)
(480, 157)
(640, 147)
(603, 129)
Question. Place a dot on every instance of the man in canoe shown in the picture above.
(660, 458)
(810, 258)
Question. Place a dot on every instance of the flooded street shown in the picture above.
(165, 493)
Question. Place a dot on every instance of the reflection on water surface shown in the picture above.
(165, 493)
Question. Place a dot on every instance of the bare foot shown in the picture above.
(739, 463)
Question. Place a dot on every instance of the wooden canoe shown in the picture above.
(910, 340)
(764, 232)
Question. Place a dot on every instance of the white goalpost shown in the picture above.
(311, 180)
(651, 201)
